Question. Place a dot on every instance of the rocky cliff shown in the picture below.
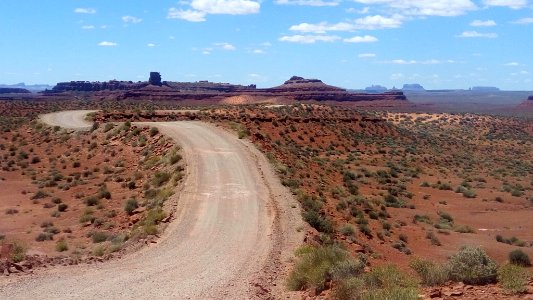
(14, 91)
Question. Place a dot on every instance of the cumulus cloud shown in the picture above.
(308, 2)
(131, 19)
(524, 21)
(85, 10)
(361, 39)
(514, 4)
(480, 23)
(199, 9)
(187, 15)
(444, 8)
(475, 34)
(366, 23)
(512, 64)
(107, 44)
(150, 45)
(87, 27)
(366, 55)
(309, 39)
(419, 62)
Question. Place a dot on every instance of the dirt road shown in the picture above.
(72, 119)
(235, 229)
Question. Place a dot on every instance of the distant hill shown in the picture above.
(413, 87)
(31, 87)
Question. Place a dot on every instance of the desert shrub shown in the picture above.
(40, 194)
(160, 178)
(472, 265)
(431, 274)
(382, 283)
(99, 251)
(99, 237)
(11, 211)
(519, 258)
(314, 265)
(347, 230)
(61, 245)
(154, 131)
(19, 252)
(62, 207)
(130, 206)
(44, 236)
(513, 278)
(317, 221)
(175, 158)
(92, 201)
(430, 235)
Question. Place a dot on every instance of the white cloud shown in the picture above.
(524, 21)
(366, 55)
(514, 4)
(150, 45)
(258, 51)
(444, 8)
(82, 10)
(226, 7)
(480, 23)
(107, 44)
(308, 2)
(361, 39)
(225, 46)
(187, 15)
(475, 34)
(87, 27)
(366, 23)
(131, 19)
(202, 8)
(421, 62)
(309, 39)
(323, 27)
(512, 64)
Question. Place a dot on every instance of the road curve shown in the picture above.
(235, 229)
(72, 119)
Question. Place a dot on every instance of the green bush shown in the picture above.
(160, 178)
(19, 252)
(513, 278)
(314, 265)
(472, 265)
(431, 274)
(61, 245)
(99, 237)
(130, 206)
(519, 258)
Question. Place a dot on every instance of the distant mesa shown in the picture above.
(484, 89)
(14, 91)
(295, 89)
(530, 98)
(376, 89)
(413, 87)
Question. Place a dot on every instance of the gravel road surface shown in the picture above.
(232, 238)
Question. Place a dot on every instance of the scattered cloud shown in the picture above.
(199, 9)
(366, 23)
(258, 51)
(82, 10)
(187, 15)
(87, 27)
(475, 34)
(417, 62)
(308, 2)
(366, 55)
(131, 19)
(150, 45)
(444, 8)
(480, 23)
(107, 44)
(514, 4)
(225, 46)
(309, 39)
(512, 64)
(524, 21)
(361, 39)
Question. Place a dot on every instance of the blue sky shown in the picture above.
(348, 43)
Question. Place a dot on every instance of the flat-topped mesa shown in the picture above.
(296, 83)
(87, 86)
(206, 86)
(530, 98)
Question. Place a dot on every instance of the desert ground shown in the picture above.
(380, 194)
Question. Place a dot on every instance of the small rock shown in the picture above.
(435, 293)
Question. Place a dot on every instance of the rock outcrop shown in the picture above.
(530, 98)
